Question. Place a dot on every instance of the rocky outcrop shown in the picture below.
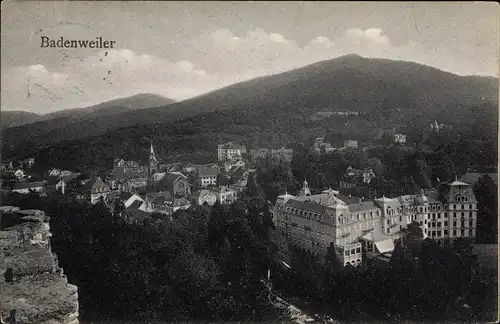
(33, 289)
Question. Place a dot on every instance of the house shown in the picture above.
(54, 172)
(281, 155)
(399, 139)
(169, 205)
(174, 182)
(131, 185)
(207, 176)
(350, 144)
(204, 196)
(356, 175)
(230, 164)
(260, 154)
(230, 151)
(19, 174)
(225, 195)
(96, 189)
(27, 187)
(29, 162)
(56, 184)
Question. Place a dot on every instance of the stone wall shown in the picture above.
(33, 289)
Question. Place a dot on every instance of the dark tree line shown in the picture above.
(206, 263)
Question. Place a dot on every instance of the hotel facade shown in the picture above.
(365, 229)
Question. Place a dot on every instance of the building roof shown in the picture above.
(306, 205)
(136, 204)
(458, 183)
(28, 185)
(385, 245)
(208, 172)
(322, 199)
(152, 195)
(97, 184)
(360, 206)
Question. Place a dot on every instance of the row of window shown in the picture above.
(444, 233)
(445, 223)
(352, 251)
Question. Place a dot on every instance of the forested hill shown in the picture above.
(276, 108)
(20, 126)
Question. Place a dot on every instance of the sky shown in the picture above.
(183, 49)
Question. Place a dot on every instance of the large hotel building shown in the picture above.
(360, 229)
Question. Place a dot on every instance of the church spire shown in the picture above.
(152, 153)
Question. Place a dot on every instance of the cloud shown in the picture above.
(96, 78)
(215, 59)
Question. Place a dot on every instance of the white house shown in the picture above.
(206, 196)
(350, 144)
(399, 138)
(225, 195)
(19, 174)
(230, 151)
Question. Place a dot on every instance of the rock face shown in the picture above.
(33, 289)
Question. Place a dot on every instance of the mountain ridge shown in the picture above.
(16, 118)
(399, 91)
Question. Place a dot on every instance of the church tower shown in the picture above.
(153, 162)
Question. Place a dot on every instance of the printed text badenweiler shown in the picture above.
(73, 43)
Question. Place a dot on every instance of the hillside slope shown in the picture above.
(391, 92)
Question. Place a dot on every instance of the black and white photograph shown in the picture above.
(249, 162)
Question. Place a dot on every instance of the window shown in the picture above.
(439, 215)
(358, 250)
(454, 232)
(462, 206)
(454, 207)
(470, 206)
(400, 219)
(454, 215)
(445, 215)
(462, 232)
(445, 232)
(454, 223)
(353, 251)
(439, 224)
(470, 223)
(445, 223)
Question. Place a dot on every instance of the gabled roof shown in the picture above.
(136, 204)
(98, 183)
